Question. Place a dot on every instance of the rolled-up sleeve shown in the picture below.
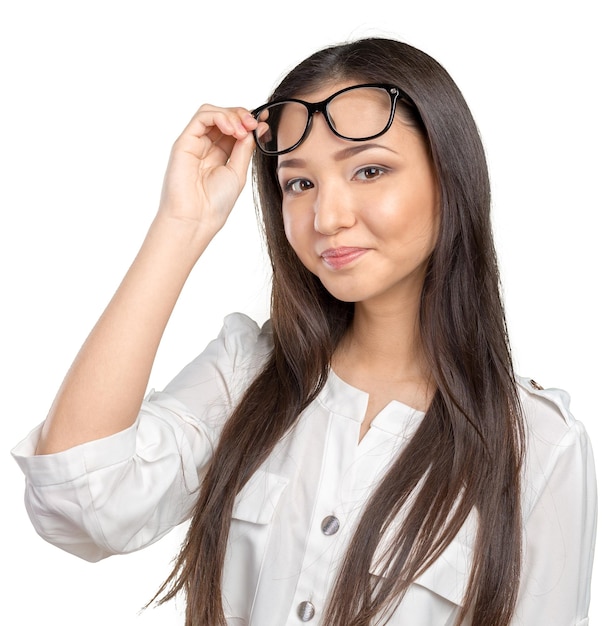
(123, 492)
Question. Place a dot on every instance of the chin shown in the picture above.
(346, 295)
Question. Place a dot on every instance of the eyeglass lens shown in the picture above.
(355, 114)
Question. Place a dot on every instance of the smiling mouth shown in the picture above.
(337, 258)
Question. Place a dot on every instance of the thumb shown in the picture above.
(240, 156)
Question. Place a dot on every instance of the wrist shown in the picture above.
(180, 239)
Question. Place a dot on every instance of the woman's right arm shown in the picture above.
(104, 388)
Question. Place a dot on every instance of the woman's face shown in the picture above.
(362, 216)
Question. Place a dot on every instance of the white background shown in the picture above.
(93, 95)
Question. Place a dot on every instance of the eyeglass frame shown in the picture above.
(321, 107)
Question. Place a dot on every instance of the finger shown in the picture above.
(236, 122)
(215, 126)
(249, 124)
(225, 144)
(240, 157)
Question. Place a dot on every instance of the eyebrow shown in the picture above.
(341, 155)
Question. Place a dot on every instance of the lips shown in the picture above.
(337, 258)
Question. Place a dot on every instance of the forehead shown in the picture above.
(353, 113)
(326, 89)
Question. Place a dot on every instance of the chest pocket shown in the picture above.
(437, 596)
(258, 499)
(254, 509)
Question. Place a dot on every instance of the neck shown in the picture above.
(384, 341)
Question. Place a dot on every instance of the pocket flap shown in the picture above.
(258, 499)
(448, 576)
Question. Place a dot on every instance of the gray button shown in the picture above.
(306, 611)
(330, 525)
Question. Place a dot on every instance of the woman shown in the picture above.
(368, 456)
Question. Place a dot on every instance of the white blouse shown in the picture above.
(293, 520)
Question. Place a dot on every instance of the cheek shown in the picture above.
(408, 220)
(402, 213)
(434, 218)
(288, 227)
(300, 236)
(295, 230)
(434, 227)
(423, 211)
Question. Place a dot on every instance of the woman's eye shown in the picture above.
(297, 185)
(369, 173)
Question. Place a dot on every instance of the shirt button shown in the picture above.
(306, 611)
(330, 525)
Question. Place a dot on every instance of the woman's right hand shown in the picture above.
(103, 390)
(208, 168)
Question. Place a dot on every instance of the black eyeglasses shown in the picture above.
(356, 113)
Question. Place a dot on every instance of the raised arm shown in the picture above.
(103, 390)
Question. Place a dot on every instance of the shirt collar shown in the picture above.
(347, 401)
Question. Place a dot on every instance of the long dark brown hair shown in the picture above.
(467, 452)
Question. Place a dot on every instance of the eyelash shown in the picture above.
(290, 185)
(380, 171)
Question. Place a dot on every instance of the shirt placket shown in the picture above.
(329, 524)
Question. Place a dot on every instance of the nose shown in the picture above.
(334, 209)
